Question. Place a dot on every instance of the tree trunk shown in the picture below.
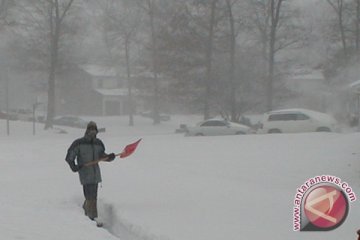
(338, 8)
(3, 9)
(274, 18)
(6, 75)
(233, 107)
(357, 27)
(209, 53)
(55, 20)
(341, 26)
(54, 44)
(130, 99)
(156, 115)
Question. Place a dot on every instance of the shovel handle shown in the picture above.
(98, 160)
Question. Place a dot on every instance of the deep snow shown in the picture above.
(173, 187)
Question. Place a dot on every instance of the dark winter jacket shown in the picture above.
(85, 150)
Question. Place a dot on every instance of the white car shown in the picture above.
(297, 120)
(215, 127)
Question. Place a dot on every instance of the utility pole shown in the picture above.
(35, 105)
(7, 101)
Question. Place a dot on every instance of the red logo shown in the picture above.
(325, 207)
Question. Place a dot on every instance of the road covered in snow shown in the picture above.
(173, 187)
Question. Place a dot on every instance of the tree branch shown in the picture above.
(336, 8)
(66, 9)
(286, 44)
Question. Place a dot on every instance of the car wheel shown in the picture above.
(323, 129)
(199, 134)
(240, 133)
(275, 130)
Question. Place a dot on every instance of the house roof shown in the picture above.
(307, 75)
(355, 87)
(115, 91)
(99, 71)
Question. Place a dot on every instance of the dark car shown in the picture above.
(73, 121)
(4, 115)
(70, 121)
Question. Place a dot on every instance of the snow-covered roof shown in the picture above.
(309, 75)
(315, 114)
(113, 92)
(116, 91)
(99, 71)
(355, 86)
(291, 110)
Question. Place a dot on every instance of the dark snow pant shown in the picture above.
(89, 206)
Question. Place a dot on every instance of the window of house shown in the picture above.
(100, 83)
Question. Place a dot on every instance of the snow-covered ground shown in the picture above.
(173, 187)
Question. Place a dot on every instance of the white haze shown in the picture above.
(173, 187)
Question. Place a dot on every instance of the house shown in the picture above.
(350, 99)
(92, 90)
(310, 89)
(80, 90)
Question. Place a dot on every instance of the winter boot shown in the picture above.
(91, 209)
(84, 206)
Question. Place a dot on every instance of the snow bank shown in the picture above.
(173, 187)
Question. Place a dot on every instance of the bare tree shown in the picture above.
(275, 8)
(121, 26)
(56, 14)
(229, 4)
(273, 20)
(4, 6)
(207, 22)
(338, 6)
(195, 22)
(41, 25)
(357, 26)
(208, 59)
(344, 31)
(151, 9)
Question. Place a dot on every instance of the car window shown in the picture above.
(213, 124)
(274, 117)
(301, 116)
(283, 117)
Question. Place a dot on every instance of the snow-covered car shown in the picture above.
(215, 127)
(297, 120)
(150, 114)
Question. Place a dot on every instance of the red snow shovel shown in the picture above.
(127, 151)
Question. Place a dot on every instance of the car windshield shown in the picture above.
(282, 117)
(213, 123)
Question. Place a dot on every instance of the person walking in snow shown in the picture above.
(84, 150)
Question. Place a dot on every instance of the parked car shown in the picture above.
(70, 121)
(297, 120)
(3, 115)
(22, 114)
(150, 114)
(182, 129)
(214, 127)
(10, 116)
